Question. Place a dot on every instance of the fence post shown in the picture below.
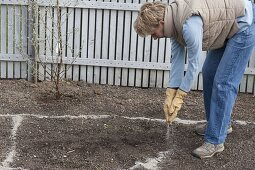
(32, 40)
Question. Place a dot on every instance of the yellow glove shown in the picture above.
(176, 104)
(170, 94)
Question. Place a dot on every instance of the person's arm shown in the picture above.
(177, 64)
(175, 77)
(193, 36)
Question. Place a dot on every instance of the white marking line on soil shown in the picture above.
(61, 117)
(151, 163)
(241, 122)
(16, 123)
(177, 120)
(6, 168)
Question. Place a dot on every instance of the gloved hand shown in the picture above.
(176, 104)
(170, 94)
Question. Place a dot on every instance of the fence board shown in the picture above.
(17, 38)
(250, 78)
(91, 44)
(112, 43)
(3, 39)
(153, 58)
(98, 44)
(42, 34)
(77, 35)
(10, 34)
(119, 45)
(167, 60)
(105, 43)
(84, 50)
(69, 44)
(49, 37)
(54, 43)
(64, 39)
(140, 53)
(133, 50)
(24, 43)
(161, 57)
(30, 63)
(126, 45)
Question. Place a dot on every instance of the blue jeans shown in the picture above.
(222, 72)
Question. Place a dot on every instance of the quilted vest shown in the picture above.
(219, 19)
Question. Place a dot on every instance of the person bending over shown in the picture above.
(224, 28)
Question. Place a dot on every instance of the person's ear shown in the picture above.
(161, 22)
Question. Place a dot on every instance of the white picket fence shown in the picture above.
(100, 44)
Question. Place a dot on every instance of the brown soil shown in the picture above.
(114, 142)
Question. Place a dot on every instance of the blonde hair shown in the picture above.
(148, 18)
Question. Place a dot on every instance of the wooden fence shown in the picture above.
(99, 43)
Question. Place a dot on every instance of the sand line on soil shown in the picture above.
(151, 163)
(7, 168)
(241, 122)
(16, 120)
(60, 117)
(177, 120)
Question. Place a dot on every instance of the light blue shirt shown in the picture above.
(245, 21)
(193, 36)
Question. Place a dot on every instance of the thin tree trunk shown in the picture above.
(59, 51)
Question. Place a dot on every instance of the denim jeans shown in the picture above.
(222, 72)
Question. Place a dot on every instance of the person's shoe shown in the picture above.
(200, 129)
(207, 150)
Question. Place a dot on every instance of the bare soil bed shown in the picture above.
(113, 142)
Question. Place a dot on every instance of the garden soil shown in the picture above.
(120, 132)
